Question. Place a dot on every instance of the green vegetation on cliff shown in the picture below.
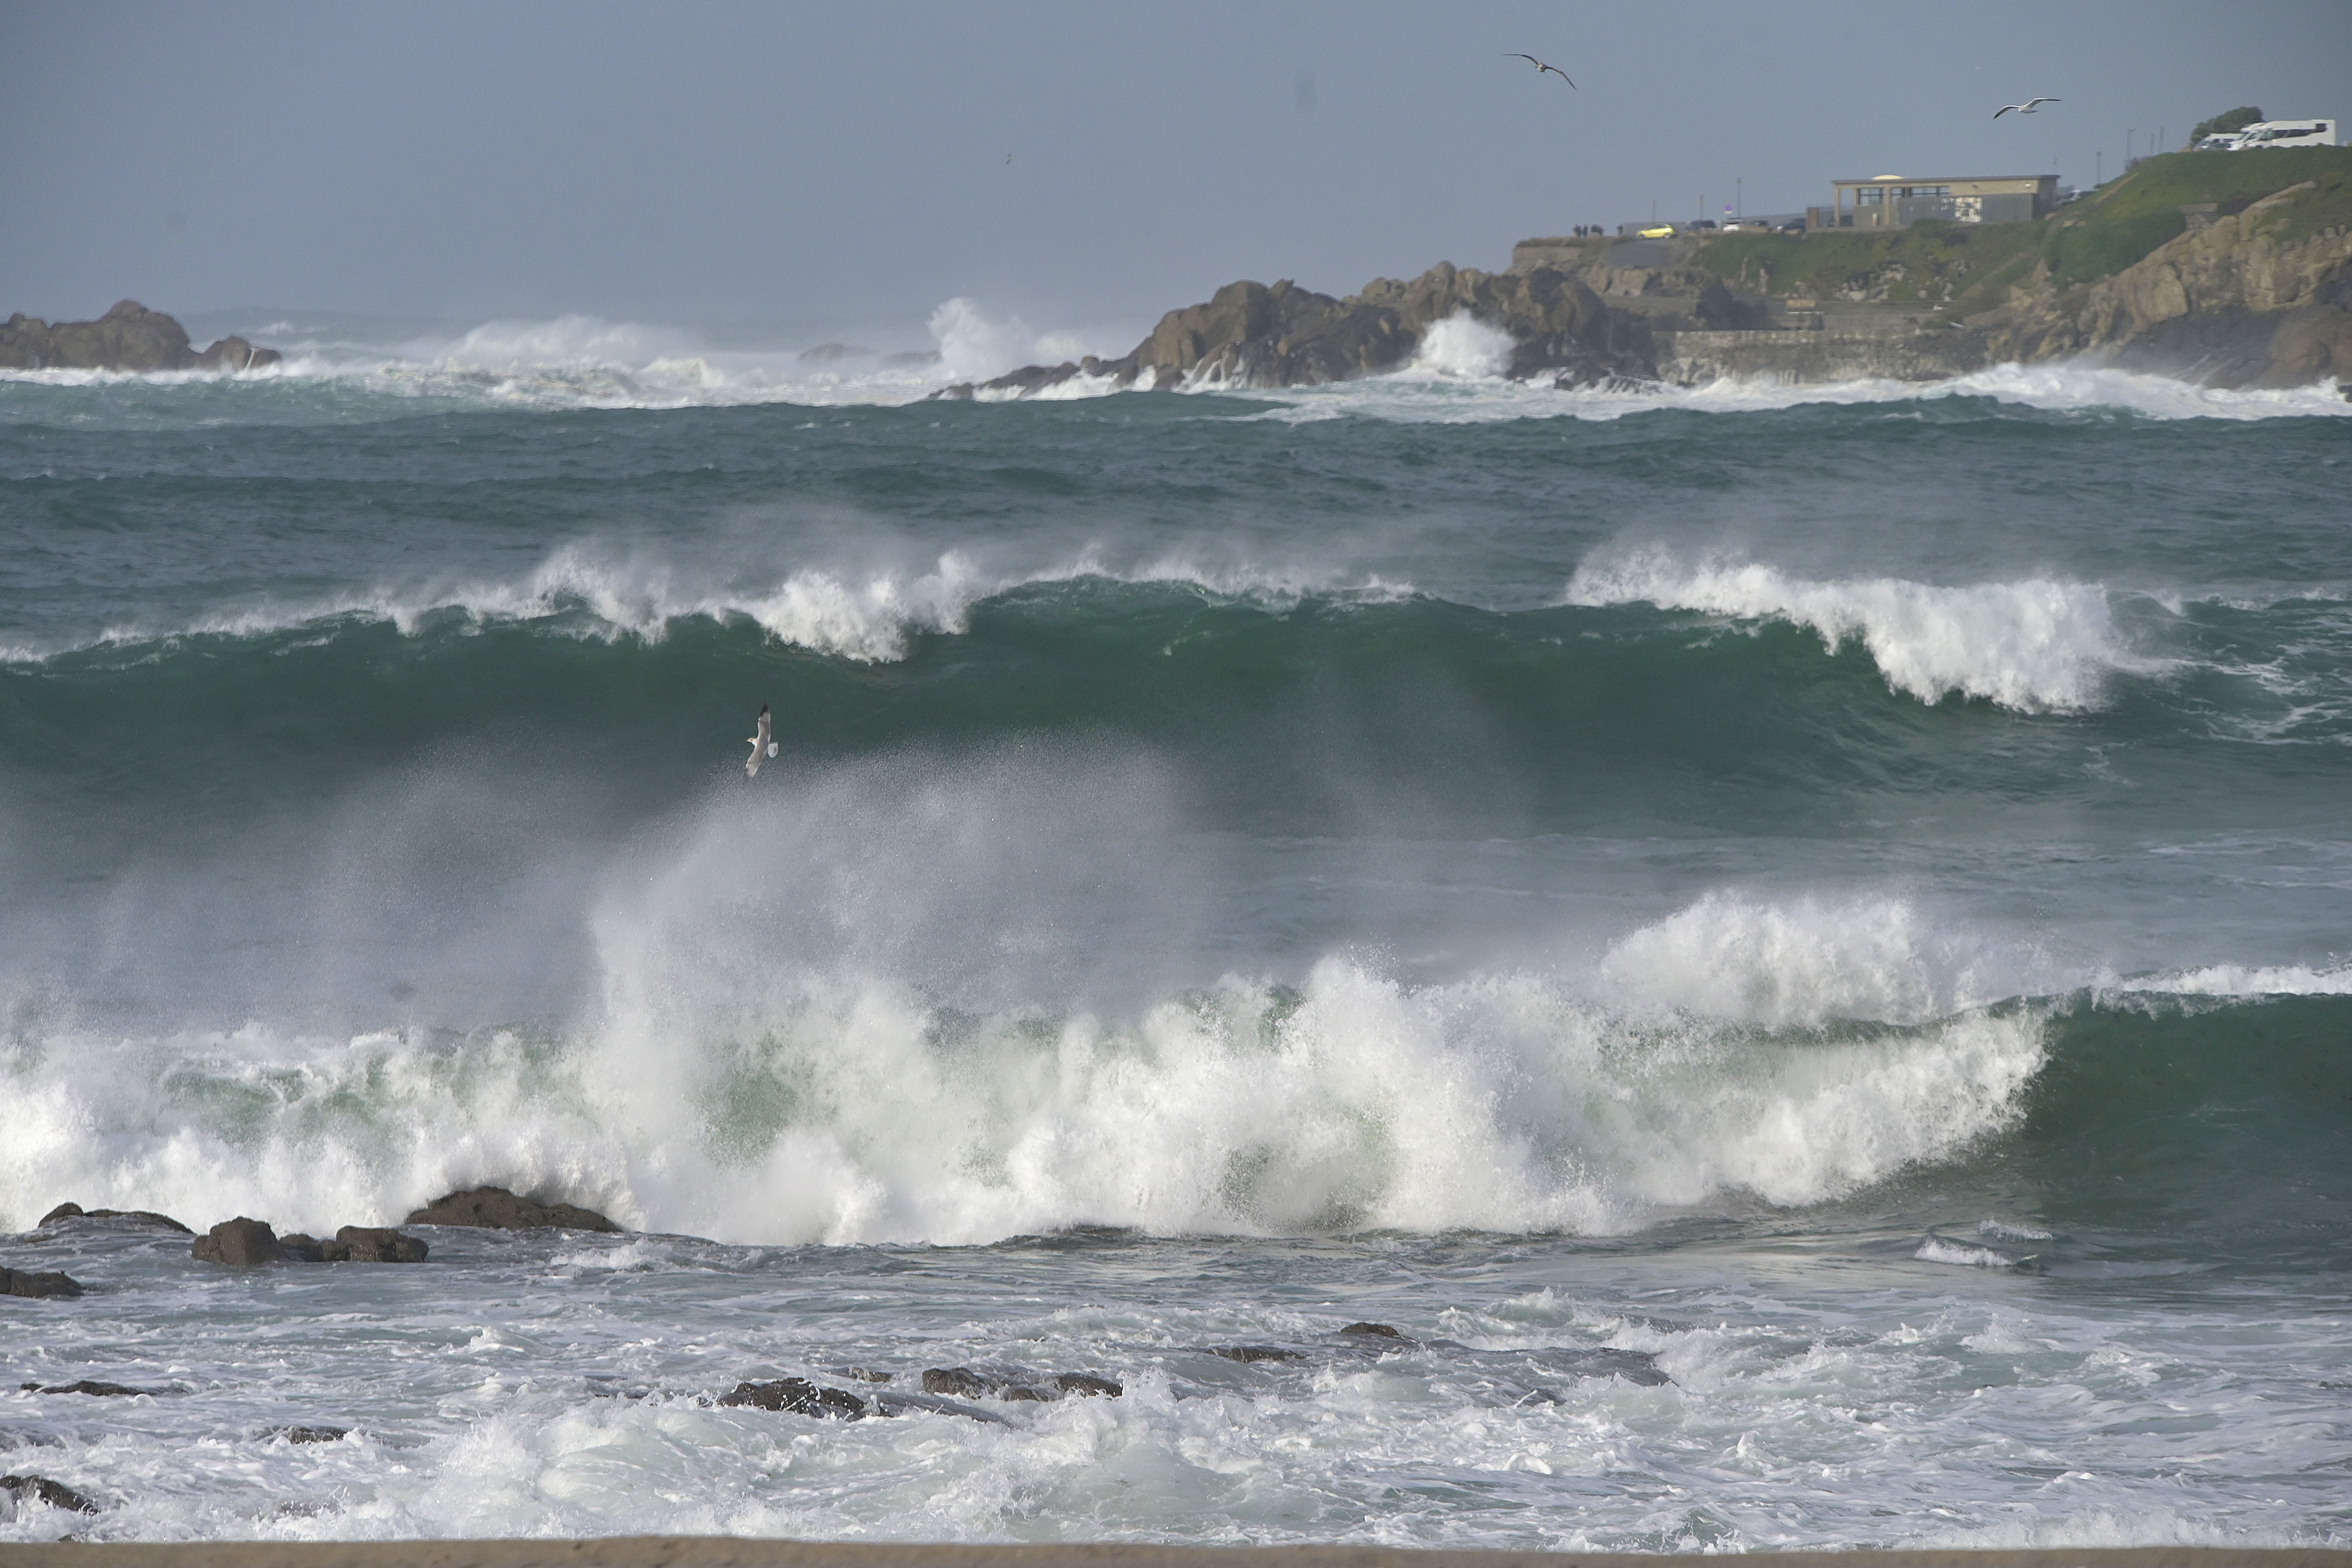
(1967, 266)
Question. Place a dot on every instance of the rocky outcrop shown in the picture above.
(66, 1213)
(2228, 303)
(129, 337)
(495, 1208)
(16, 1282)
(41, 1489)
(1256, 335)
(1694, 358)
(247, 1243)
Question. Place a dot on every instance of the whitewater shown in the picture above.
(1791, 943)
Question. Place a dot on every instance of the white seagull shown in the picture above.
(2025, 108)
(1540, 67)
(763, 744)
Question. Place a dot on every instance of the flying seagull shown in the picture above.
(2025, 108)
(763, 744)
(1541, 68)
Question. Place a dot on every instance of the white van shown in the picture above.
(2286, 133)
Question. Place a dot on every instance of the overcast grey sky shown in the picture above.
(721, 161)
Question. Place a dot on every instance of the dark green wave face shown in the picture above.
(1699, 809)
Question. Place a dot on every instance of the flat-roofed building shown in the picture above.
(1894, 201)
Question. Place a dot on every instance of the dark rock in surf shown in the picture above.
(495, 1208)
(39, 1287)
(306, 1433)
(86, 1385)
(129, 337)
(959, 1381)
(1377, 1330)
(1248, 1355)
(64, 1213)
(968, 1383)
(1086, 1386)
(372, 1244)
(41, 1489)
(799, 1396)
(241, 1243)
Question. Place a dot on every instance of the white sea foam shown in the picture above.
(2244, 980)
(724, 1088)
(1936, 1249)
(1801, 962)
(1415, 394)
(1463, 347)
(2034, 644)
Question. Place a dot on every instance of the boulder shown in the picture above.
(801, 1398)
(495, 1208)
(129, 337)
(240, 1242)
(970, 1383)
(1249, 1354)
(17, 1282)
(364, 1244)
(65, 1213)
(41, 1489)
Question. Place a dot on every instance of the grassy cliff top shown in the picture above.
(1965, 266)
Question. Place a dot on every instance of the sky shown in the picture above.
(1085, 165)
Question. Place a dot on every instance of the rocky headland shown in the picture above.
(2229, 270)
(129, 337)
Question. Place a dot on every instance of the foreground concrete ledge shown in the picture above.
(736, 1551)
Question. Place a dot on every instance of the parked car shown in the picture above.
(1703, 223)
(1794, 226)
(1657, 231)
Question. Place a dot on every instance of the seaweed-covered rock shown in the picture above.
(800, 1397)
(64, 1213)
(41, 1489)
(495, 1208)
(17, 1282)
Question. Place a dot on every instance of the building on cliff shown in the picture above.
(1891, 201)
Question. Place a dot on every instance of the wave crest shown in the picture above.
(2035, 644)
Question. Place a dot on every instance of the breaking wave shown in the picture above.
(724, 1089)
(2033, 646)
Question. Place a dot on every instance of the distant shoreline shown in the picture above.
(736, 1551)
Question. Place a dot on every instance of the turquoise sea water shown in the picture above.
(1844, 900)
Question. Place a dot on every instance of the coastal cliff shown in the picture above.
(2231, 269)
(129, 337)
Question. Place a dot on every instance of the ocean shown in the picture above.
(1794, 945)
